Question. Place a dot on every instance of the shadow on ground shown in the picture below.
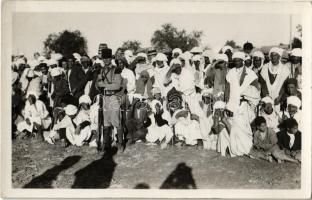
(46, 179)
(180, 178)
(97, 174)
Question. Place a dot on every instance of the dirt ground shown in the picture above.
(40, 165)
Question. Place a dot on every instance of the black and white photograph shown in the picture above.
(149, 99)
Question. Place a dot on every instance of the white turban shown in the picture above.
(277, 50)
(55, 72)
(177, 50)
(128, 53)
(14, 77)
(33, 63)
(296, 52)
(206, 92)
(225, 48)
(197, 50)
(219, 105)
(41, 59)
(144, 55)
(161, 57)
(98, 61)
(267, 99)
(186, 55)
(77, 56)
(208, 53)
(57, 56)
(85, 99)
(258, 54)
(196, 58)
(239, 54)
(70, 109)
(222, 56)
(294, 100)
(175, 61)
(52, 62)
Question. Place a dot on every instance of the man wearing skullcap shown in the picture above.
(109, 82)
(296, 65)
(257, 61)
(36, 116)
(176, 53)
(243, 98)
(274, 75)
(173, 75)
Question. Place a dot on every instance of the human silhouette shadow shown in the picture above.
(97, 174)
(45, 180)
(180, 178)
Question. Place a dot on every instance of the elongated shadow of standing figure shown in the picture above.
(99, 173)
(45, 180)
(180, 178)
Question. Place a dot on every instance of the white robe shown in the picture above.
(35, 113)
(159, 75)
(156, 132)
(129, 76)
(85, 133)
(282, 74)
(243, 114)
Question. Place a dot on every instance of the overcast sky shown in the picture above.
(31, 29)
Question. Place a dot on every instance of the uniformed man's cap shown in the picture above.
(106, 53)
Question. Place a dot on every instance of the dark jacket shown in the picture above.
(77, 80)
(283, 140)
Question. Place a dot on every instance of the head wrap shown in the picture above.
(206, 92)
(33, 63)
(14, 77)
(70, 109)
(208, 53)
(296, 52)
(52, 62)
(277, 50)
(161, 57)
(85, 99)
(219, 105)
(239, 54)
(41, 59)
(225, 48)
(128, 55)
(175, 61)
(55, 72)
(294, 100)
(258, 54)
(57, 56)
(155, 90)
(196, 58)
(186, 56)
(197, 50)
(177, 50)
(144, 55)
(222, 56)
(267, 99)
(77, 56)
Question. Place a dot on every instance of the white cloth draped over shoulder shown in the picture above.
(37, 113)
(281, 71)
(243, 112)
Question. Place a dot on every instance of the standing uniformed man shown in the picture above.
(109, 83)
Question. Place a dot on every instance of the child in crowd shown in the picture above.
(267, 111)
